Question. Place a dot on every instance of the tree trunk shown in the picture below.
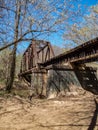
(12, 64)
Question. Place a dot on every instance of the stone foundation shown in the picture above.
(54, 82)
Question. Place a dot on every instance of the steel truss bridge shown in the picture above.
(39, 57)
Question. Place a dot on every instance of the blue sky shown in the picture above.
(56, 39)
(89, 2)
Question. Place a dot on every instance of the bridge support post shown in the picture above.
(32, 89)
(44, 84)
(38, 83)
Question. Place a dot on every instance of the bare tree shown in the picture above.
(86, 30)
(28, 19)
(12, 65)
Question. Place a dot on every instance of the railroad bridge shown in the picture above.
(49, 73)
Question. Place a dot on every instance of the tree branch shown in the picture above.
(23, 39)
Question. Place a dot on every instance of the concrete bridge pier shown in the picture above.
(53, 81)
(63, 80)
(60, 80)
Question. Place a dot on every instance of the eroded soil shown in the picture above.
(67, 113)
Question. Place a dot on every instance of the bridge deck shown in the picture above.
(84, 53)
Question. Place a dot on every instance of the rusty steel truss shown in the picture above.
(38, 52)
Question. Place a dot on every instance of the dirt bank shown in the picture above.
(68, 113)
